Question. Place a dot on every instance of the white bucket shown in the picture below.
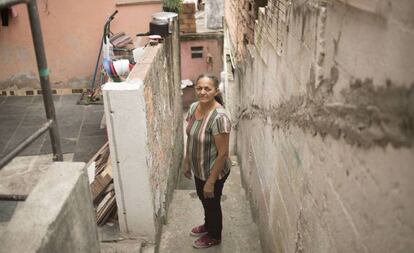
(122, 67)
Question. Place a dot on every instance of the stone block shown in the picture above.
(56, 217)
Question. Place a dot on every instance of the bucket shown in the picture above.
(122, 67)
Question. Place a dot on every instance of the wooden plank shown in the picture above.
(99, 185)
(97, 154)
(105, 208)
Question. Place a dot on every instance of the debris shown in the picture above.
(102, 189)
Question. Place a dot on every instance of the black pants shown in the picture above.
(213, 219)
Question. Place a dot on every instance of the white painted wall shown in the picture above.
(214, 14)
(127, 134)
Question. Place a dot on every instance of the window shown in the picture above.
(196, 52)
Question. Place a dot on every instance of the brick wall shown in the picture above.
(325, 124)
(240, 17)
(164, 126)
(187, 18)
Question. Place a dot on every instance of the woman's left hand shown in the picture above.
(208, 190)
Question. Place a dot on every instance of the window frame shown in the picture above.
(197, 52)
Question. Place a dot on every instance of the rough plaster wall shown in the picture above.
(326, 125)
(165, 135)
(214, 14)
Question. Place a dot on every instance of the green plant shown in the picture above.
(172, 5)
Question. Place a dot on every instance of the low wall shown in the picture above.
(144, 118)
(57, 216)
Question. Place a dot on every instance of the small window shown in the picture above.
(196, 52)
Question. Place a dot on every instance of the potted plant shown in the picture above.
(172, 5)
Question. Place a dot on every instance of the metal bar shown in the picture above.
(44, 79)
(13, 197)
(24, 144)
(92, 86)
(8, 3)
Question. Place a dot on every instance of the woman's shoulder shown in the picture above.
(221, 114)
(221, 111)
(192, 108)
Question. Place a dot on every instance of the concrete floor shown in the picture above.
(81, 136)
(240, 233)
(79, 125)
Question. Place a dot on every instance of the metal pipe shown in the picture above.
(92, 86)
(24, 144)
(44, 79)
(8, 3)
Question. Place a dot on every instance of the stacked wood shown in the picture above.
(187, 18)
(105, 208)
(102, 189)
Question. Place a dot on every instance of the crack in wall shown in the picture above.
(298, 242)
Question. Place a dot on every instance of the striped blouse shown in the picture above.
(201, 149)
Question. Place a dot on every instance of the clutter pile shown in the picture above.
(102, 187)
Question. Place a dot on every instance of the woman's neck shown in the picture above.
(205, 107)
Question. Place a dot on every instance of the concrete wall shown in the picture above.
(325, 125)
(57, 216)
(214, 14)
(72, 33)
(191, 68)
(144, 118)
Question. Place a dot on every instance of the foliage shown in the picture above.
(172, 5)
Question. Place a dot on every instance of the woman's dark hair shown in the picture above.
(218, 97)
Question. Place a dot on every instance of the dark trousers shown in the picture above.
(213, 219)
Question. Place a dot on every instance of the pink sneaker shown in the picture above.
(205, 242)
(198, 231)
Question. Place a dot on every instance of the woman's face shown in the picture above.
(205, 90)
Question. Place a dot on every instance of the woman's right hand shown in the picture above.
(187, 172)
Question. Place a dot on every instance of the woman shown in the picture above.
(208, 133)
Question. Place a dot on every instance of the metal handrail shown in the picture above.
(51, 123)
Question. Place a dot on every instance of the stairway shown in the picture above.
(240, 233)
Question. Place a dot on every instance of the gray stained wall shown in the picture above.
(164, 127)
(162, 95)
(57, 216)
(325, 125)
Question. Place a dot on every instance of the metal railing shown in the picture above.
(51, 123)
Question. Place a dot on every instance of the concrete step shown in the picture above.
(240, 233)
(128, 246)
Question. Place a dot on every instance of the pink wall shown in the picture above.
(192, 68)
(72, 32)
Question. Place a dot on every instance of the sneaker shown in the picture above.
(205, 242)
(198, 231)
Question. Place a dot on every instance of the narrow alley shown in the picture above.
(113, 113)
(240, 232)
